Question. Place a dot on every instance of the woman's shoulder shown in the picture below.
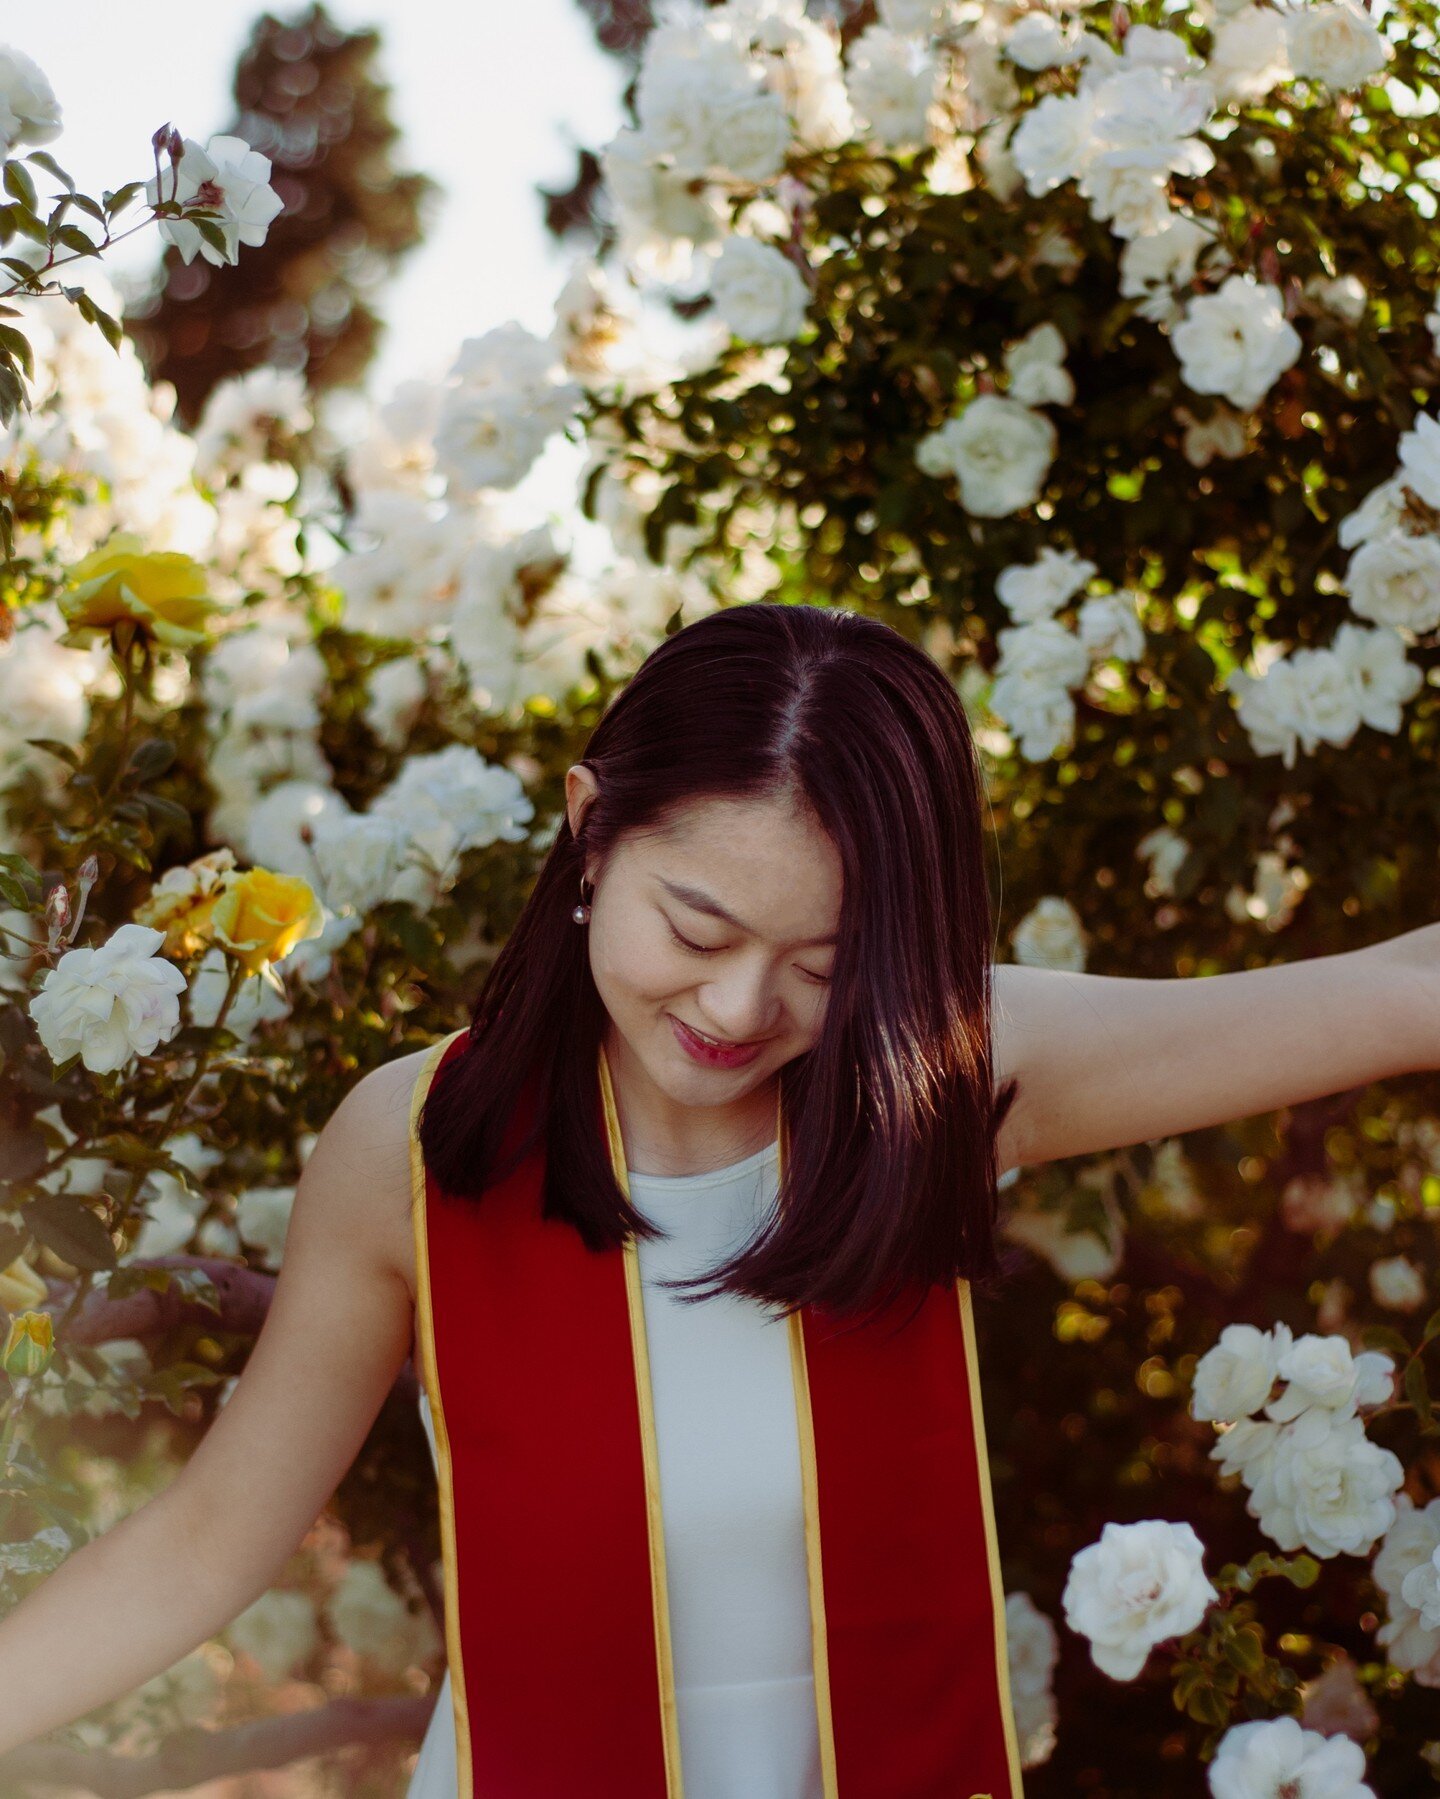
(376, 1119)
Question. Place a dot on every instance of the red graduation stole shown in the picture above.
(556, 1618)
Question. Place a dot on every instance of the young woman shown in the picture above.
(729, 1537)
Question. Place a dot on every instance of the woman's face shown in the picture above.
(725, 926)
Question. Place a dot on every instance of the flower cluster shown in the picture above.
(1315, 1479)
(1041, 659)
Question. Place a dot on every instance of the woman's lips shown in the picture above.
(710, 1055)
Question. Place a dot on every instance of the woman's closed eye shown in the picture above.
(710, 949)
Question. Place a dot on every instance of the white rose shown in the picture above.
(1381, 510)
(752, 137)
(262, 1217)
(1038, 41)
(358, 857)
(1394, 578)
(1033, 1645)
(1247, 1448)
(1344, 295)
(1326, 697)
(1036, 368)
(111, 1003)
(1163, 258)
(1044, 654)
(1383, 677)
(1397, 1284)
(1043, 718)
(1324, 1371)
(1250, 54)
(1055, 141)
(1420, 458)
(228, 175)
(29, 111)
(1270, 1756)
(891, 82)
(758, 291)
(170, 1218)
(1166, 851)
(1035, 590)
(661, 218)
(1326, 1487)
(1076, 1253)
(1050, 936)
(1140, 1585)
(1234, 1378)
(1108, 626)
(1410, 1543)
(369, 1616)
(1236, 341)
(1421, 1588)
(1268, 706)
(278, 1631)
(999, 451)
(1225, 433)
(1334, 42)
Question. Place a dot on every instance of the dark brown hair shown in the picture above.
(890, 1176)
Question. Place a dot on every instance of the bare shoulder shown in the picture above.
(371, 1129)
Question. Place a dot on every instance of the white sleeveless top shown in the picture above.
(733, 1506)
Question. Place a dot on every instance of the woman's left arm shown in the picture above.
(1108, 1060)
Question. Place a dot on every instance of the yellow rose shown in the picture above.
(260, 916)
(20, 1286)
(30, 1345)
(161, 592)
(182, 901)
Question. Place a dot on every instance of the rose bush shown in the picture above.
(1091, 347)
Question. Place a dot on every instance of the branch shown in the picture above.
(193, 1756)
(244, 1296)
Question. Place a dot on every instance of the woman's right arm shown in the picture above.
(131, 1602)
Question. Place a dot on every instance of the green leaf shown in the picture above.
(1246, 1650)
(72, 1230)
(92, 208)
(1381, 1336)
(18, 864)
(56, 748)
(150, 758)
(212, 235)
(135, 1279)
(165, 811)
(19, 185)
(1417, 1390)
(12, 1243)
(26, 223)
(173, 1383)
(18, 345)
(12, 398)
(1432, 1329)
(75, 239)
(46, 161)
(121, 198)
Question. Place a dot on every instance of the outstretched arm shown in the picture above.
(1107, 1060)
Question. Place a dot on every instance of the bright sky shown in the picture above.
(490, 99)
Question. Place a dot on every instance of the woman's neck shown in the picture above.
(665, 1136)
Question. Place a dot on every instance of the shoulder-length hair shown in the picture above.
(891, 1117)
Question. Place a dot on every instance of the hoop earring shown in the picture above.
(581, 914)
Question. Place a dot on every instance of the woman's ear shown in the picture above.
(580, 789)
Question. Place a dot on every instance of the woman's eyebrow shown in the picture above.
(702, 902)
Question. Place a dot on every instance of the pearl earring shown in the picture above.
(581, 914)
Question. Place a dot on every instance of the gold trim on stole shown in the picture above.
(665, 1665)
(814, 1575)
(430, 1377)
(992, 1549)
